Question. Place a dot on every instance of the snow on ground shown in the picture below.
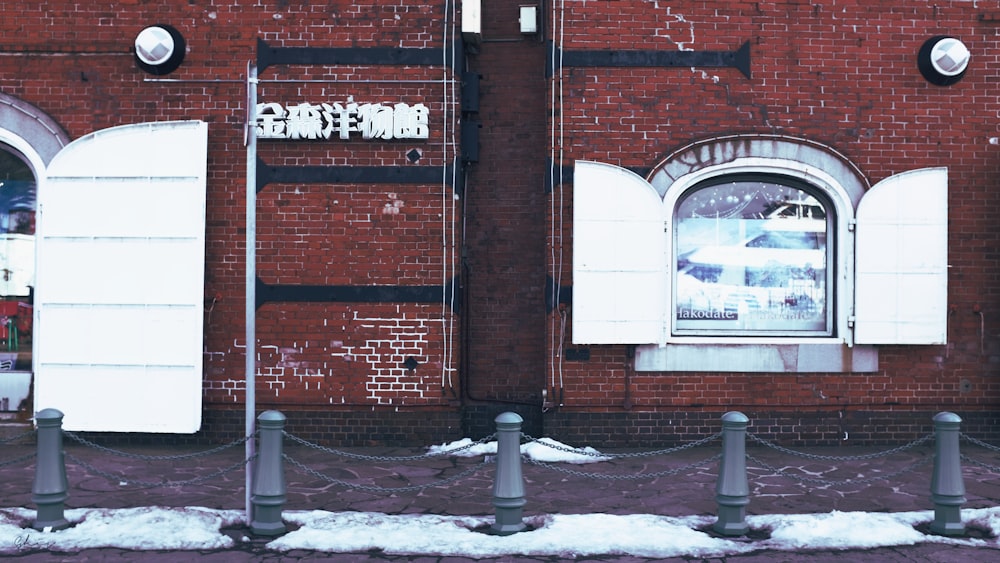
(543, 449)
(641, 535)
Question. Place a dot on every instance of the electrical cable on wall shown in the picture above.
(556, 203)
(982, 331)
(444, 215)
(555, 344)
(562, 132)
(448, 245)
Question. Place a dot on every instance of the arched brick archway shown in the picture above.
(30, 131)
(30, 136)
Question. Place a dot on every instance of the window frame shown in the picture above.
(622, 274)
(830, 250)
(842, 244)
(35, 138)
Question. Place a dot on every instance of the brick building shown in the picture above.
(620, 219)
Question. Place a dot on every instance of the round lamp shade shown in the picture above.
(943, 60)
(159, 49)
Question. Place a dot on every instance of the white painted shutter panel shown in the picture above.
(901, 253)
(121, 261)
(619, 285)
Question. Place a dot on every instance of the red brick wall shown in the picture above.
(74, 61)
(844, 75)
(352, 355)
(840, 74)
(505, 230)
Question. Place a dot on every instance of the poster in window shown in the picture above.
(751, 258)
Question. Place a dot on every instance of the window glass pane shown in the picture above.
(17, 262)
(751, 258)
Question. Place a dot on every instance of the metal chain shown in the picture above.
(375, 489)
(350, 455)
(866, 480)
(18, 437)
(664, 473)
(992, 468)
(17, 459)
(151, 484)
(142, 457)
(676, 449)
(979, 443)
(862, 457)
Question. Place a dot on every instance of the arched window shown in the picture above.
(29, 140)
(17, 273)
(17, 225)
(758, 254)
(752, 257)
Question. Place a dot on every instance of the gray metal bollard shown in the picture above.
(732, 493)
(49, 492)
(508, 488)
(269, 490)
(947, 486)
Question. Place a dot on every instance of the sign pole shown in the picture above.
(250, 140)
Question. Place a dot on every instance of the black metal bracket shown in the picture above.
(352, 175)
(429, 56)
(738, 59)
(267, 56)
(556, 175)
(470, 91)
(273, 293)
(564, 297)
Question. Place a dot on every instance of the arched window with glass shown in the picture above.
(752, 258)
(17, 263)
(758, 254)
(17, 225)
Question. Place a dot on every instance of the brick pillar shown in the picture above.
(506, 210)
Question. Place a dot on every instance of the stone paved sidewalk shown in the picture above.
(573, 489)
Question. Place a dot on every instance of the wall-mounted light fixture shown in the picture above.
(159, 49)
(528, 19)
(943, 60)
(472, 21)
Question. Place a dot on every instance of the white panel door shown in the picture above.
(120, 270)
(619, 279)
(901, 260)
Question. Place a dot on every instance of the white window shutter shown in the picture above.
(619, 280)
(121, 262)
(901, 260)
